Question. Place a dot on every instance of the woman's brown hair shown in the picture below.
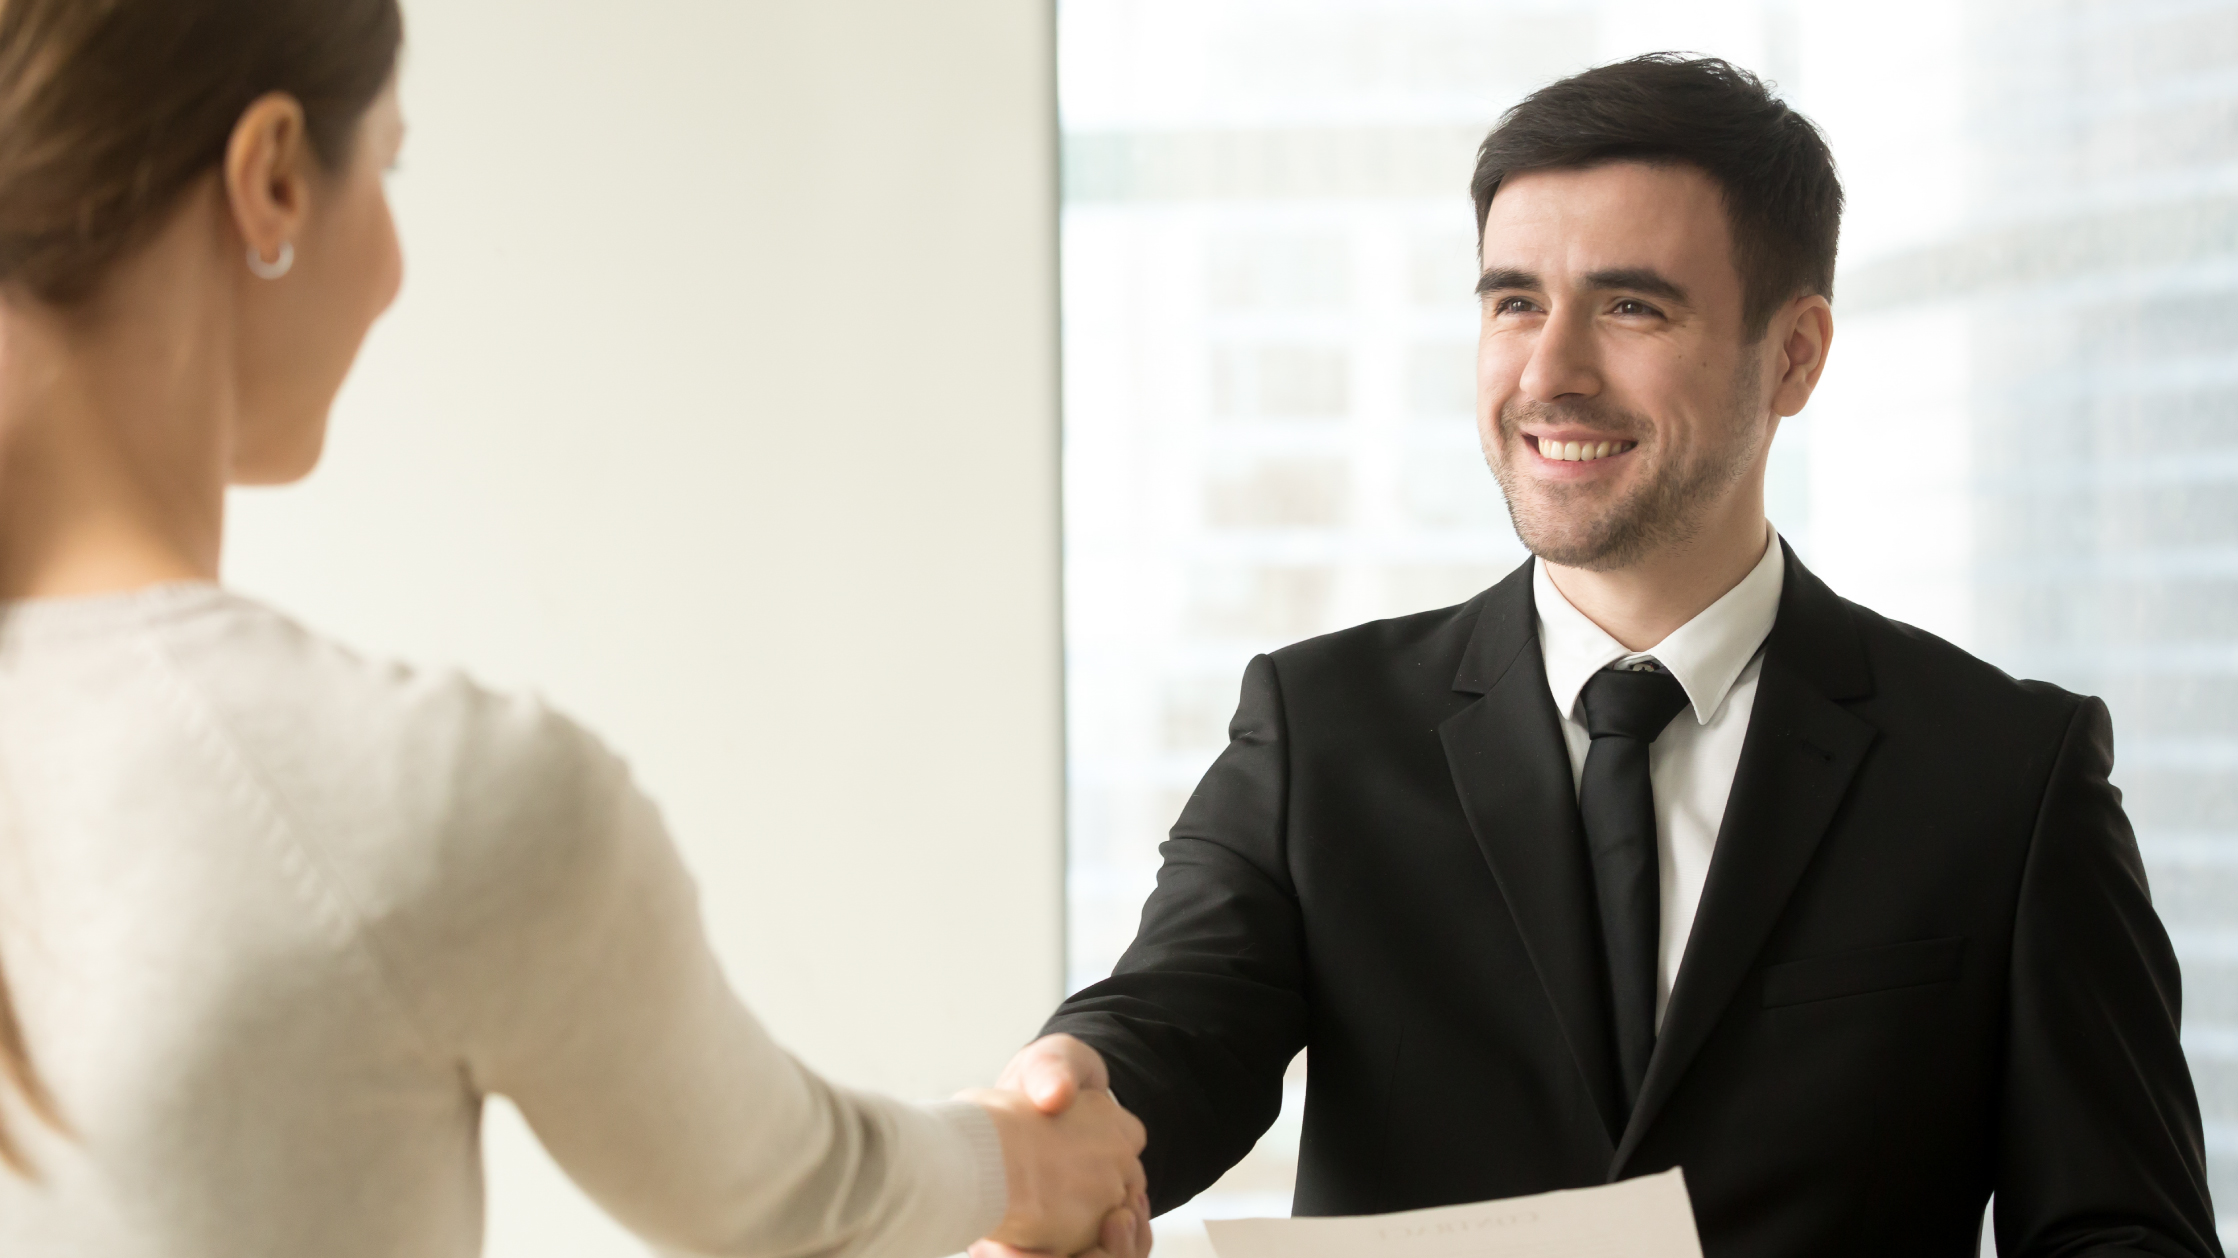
(110, 110)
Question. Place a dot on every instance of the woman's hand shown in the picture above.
(1126, 1234)
(1067, 1172)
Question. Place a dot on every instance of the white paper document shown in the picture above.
(1648, 1217)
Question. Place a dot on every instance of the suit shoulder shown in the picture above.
(1909, 662)
(1422, 639)
(1427, 644)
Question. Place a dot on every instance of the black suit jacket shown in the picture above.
(1925, 966)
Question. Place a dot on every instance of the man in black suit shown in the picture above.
(1659, 853)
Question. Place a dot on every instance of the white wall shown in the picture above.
(720, 406)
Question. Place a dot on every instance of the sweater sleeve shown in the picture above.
(567, 963)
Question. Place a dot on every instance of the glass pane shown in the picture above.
(2026, 442)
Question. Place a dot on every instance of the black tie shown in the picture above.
(1624, 711)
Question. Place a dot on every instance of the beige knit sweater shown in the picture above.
(277, 918)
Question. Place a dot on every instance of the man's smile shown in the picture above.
(1555, 448)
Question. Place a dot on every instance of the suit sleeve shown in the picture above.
(2101, 1150)
(1205, 1010)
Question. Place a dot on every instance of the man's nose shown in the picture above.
(1563, 362)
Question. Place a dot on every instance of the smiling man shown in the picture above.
(1659, 853)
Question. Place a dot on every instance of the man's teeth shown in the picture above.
(1582, 451)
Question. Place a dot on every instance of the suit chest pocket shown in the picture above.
(1916, 964)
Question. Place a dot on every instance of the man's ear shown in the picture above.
(1804, 332)
(268, 168)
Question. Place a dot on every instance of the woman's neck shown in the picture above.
(113, 437)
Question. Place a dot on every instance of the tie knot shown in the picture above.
(1625, 704)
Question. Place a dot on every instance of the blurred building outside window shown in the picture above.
(2026, 440)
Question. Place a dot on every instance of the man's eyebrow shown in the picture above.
(1636, 279)
(1502, 277)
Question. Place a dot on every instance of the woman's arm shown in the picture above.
(580, 983)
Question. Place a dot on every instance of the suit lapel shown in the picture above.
(1802, 749)
(1512, 771)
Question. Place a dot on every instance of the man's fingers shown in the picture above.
(1132, 1238)
(1125, 1233)
(1118, 1231)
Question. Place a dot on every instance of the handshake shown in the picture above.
(1072, 1155)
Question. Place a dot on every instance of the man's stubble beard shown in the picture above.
(1667, 508)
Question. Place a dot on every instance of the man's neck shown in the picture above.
(1640, 604)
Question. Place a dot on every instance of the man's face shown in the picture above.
(1617, 404)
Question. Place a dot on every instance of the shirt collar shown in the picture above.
(1706, 653)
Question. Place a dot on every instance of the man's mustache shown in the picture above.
(1593, 416)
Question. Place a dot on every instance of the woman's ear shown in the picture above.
(268, 168)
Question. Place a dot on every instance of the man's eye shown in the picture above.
(1632, 308)
(1512, 305)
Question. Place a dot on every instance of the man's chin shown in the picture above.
(1597, 536)
(1587, 554)
(1588, 525)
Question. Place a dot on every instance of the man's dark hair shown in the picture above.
(1783, 200)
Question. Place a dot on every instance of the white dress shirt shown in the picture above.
(1716, 656)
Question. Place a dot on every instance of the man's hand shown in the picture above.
(1126, 1234)
(1053, 1070)
(1068, 1170)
